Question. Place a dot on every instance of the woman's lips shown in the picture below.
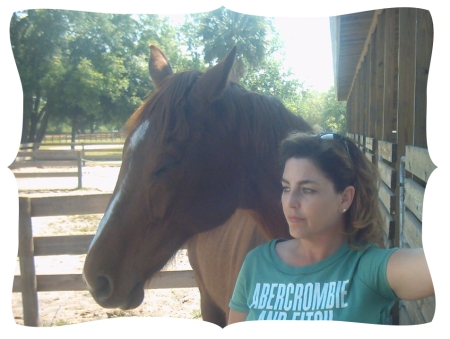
(294, 219)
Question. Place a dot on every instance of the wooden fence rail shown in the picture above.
(28, 157)
(29, 284)
(69, 145)
(94, 137)
(411, 178)
(49, 158)
(415, 171)
(64, 151)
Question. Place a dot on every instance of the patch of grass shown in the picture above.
(120, 313)
(60, 322)
(197, 314)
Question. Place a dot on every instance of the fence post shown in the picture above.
(27, 268)
(80, 168)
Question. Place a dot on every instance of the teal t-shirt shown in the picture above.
(349, 285)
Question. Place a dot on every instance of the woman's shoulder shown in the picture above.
(264, 248)
(372, 253)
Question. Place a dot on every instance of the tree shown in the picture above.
(35, 37)
(95, 74)
(323, 111)
(213, 34)
(334, 112)
(84, 69)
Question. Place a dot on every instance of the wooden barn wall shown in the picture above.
(386, 116)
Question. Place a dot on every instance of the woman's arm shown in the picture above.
(408, 274)
(236, 317)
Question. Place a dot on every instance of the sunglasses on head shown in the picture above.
(336, 137)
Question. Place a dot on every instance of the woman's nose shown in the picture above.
(293, 200)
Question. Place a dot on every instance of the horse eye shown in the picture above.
(167, 165)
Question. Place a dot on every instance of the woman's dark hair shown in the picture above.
(345, 165)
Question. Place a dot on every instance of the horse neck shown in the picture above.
(263, 173)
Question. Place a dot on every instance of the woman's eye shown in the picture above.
(307, 190)
(286, 189)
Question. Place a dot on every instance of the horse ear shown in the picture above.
(158, 66)
(213, 82)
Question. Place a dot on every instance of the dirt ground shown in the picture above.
(63, 308)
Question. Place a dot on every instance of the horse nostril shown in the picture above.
(104, 287)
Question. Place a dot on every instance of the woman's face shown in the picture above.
(311, 206)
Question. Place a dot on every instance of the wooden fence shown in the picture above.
(414, 169)
(92, 151)
(29, 284)
(49, 158)
(64, 157)
(83, 137)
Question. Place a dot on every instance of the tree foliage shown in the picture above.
(323, 111)
(215, 33)
(82, 69)
(89, 71)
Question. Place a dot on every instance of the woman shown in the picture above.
(335, 267)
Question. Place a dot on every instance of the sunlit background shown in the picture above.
(11, 86)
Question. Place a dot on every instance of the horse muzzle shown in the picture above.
(104, 293)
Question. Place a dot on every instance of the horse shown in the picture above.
(199, 166)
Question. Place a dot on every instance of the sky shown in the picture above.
(435, 223)
(307, 48)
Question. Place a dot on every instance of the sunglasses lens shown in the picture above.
(337, 136)
(331, 136)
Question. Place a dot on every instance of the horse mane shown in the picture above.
(160, 107)
(262, 121)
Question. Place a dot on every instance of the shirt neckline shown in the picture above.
(320, 265)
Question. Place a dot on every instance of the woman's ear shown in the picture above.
(347, 197)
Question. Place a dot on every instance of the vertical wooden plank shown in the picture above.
(372, 121)
(366, 81)
(390, 75)
(352, 108)
(80, 168)
(27, 268)
(407, 77)
(363, 108)
(350, 115)
(364, 97)
(406, 84)
(424, 47)
(356, 108)
(369, 92)
(379, 80)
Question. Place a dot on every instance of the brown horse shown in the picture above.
(200, 153)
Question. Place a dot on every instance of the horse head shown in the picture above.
(189, 160)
